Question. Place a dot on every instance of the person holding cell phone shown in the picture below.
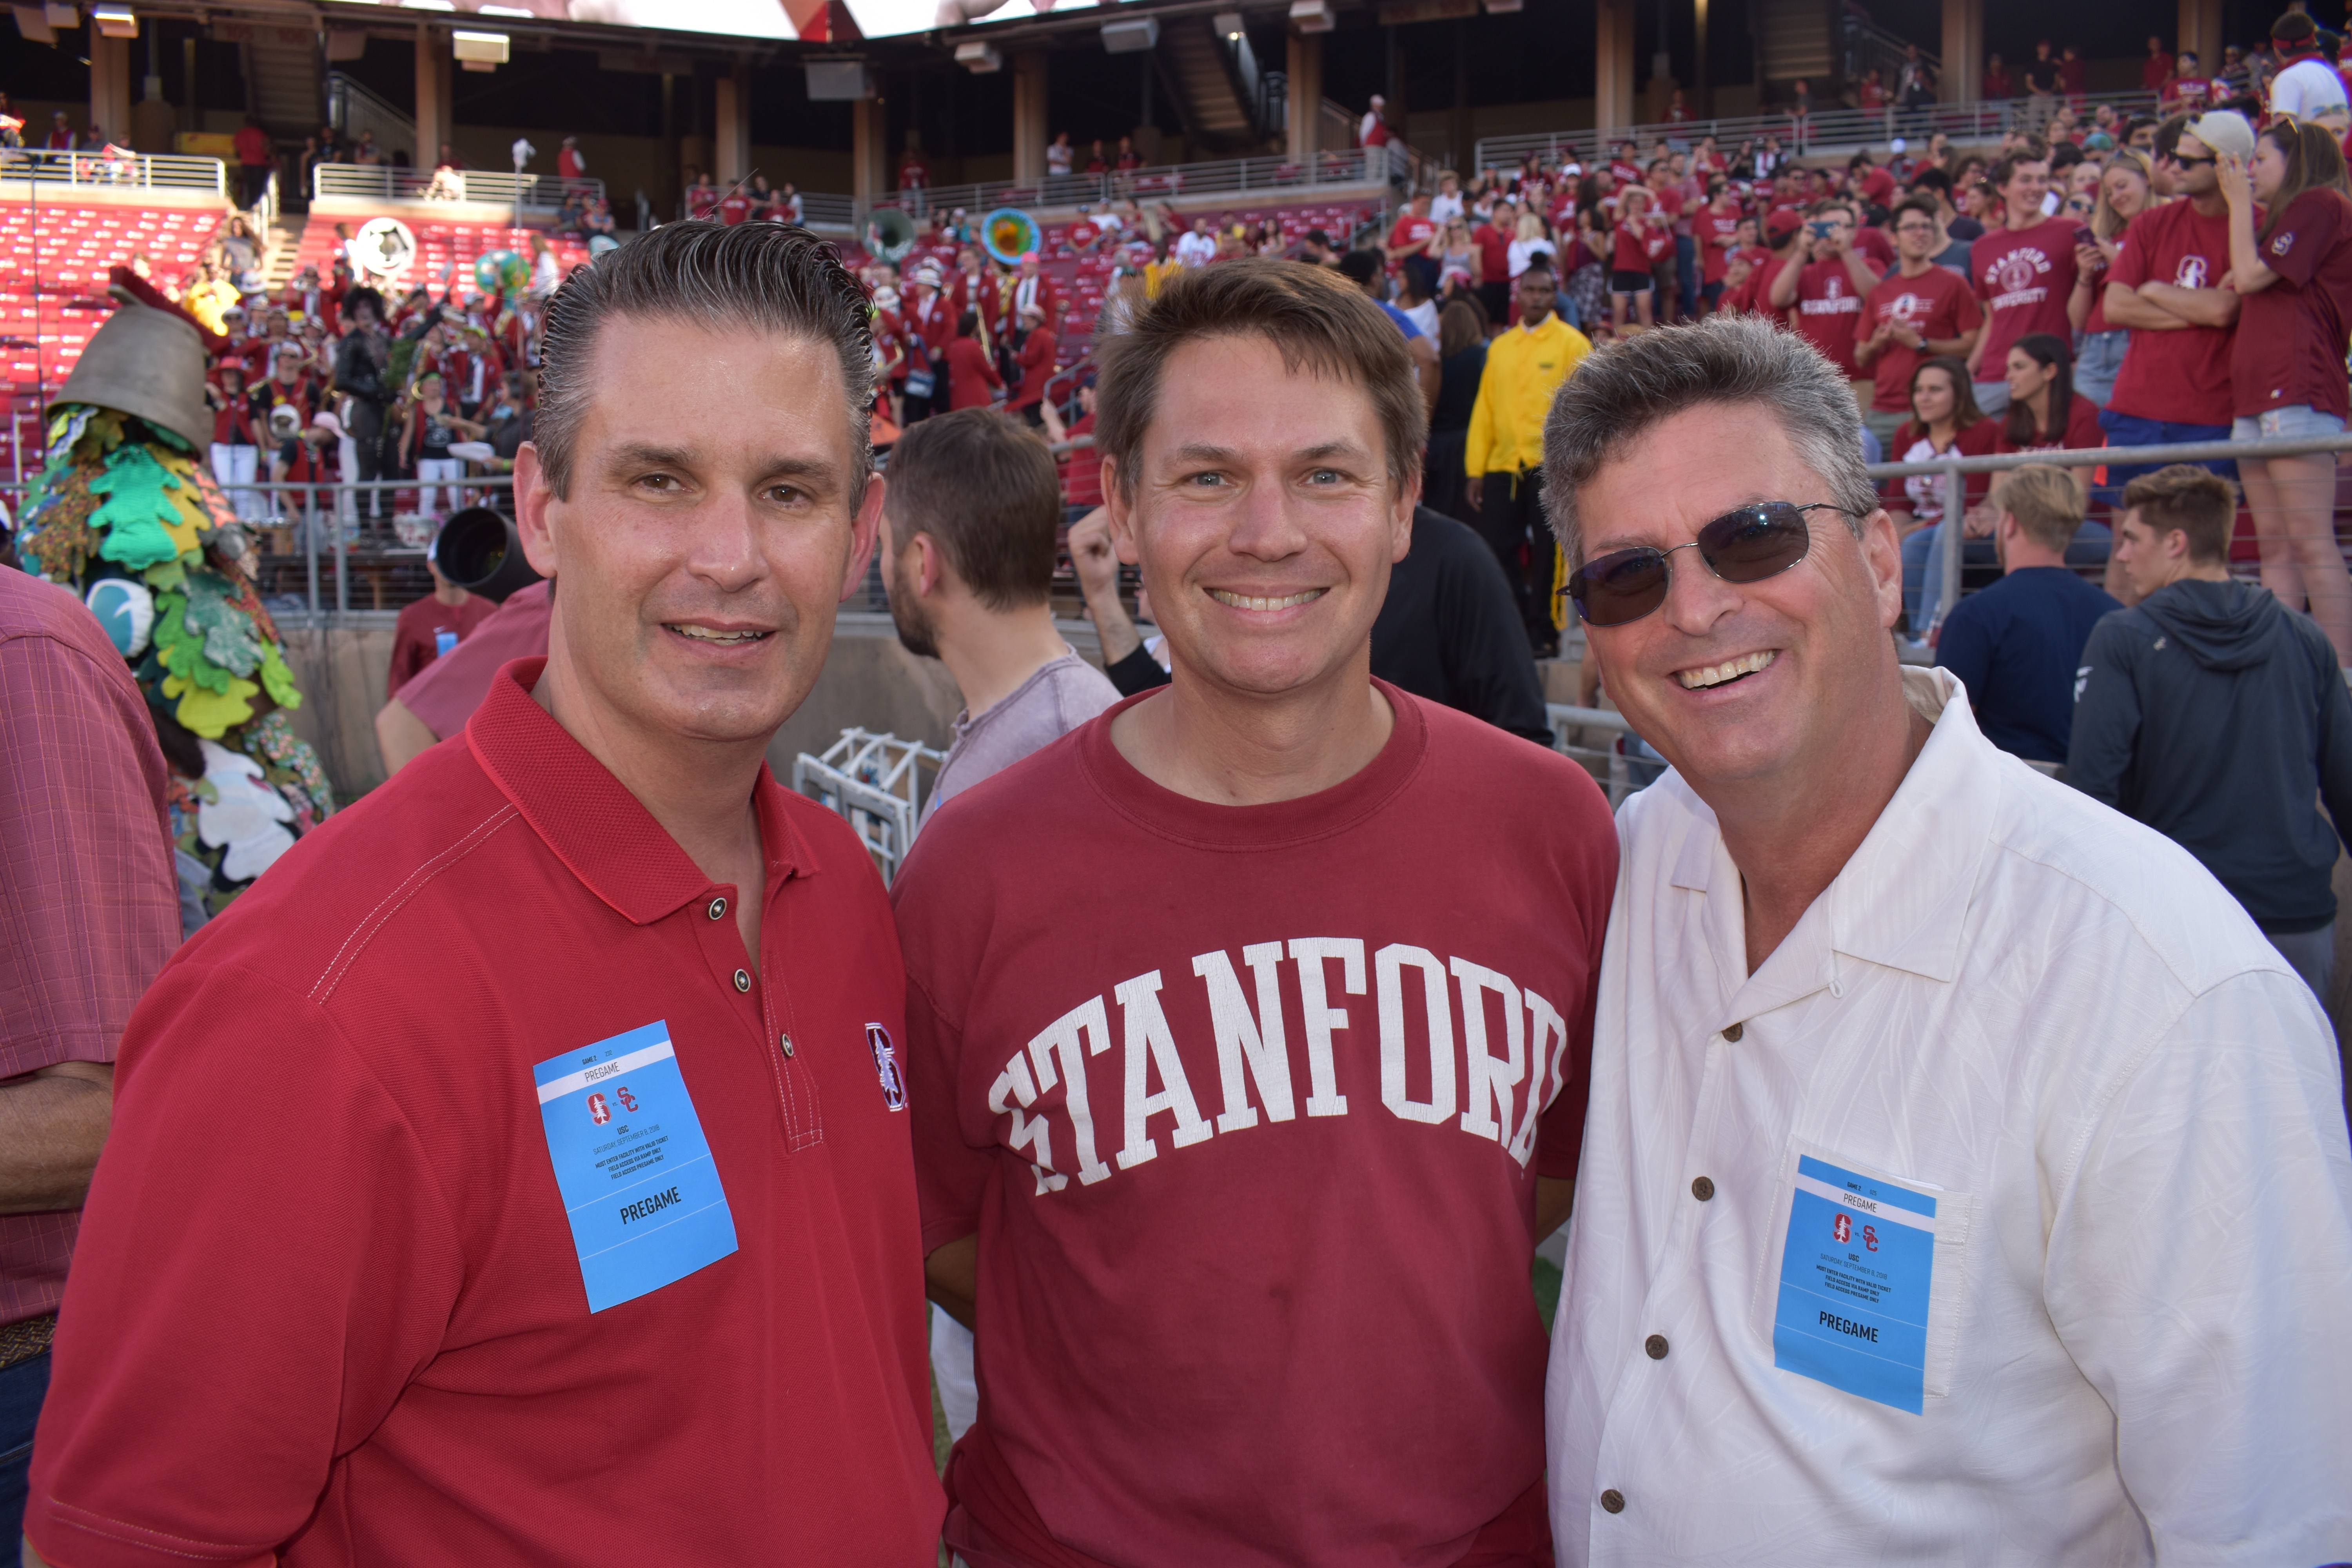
(1965, 1177)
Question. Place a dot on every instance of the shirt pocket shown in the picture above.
(1891, 1208)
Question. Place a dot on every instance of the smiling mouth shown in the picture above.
(1249, 602)
(1724, 674)
(723, 639)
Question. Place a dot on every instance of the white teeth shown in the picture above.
(1715, 674)
(704, 634)
(1246, 602)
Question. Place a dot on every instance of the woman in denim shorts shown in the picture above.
(2291, 261)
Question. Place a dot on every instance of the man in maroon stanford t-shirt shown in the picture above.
(1249, 1021)
(520, 1172)
(2024, 272)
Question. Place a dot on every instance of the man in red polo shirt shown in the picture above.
(2025, 273)
(520, 1172)
(1828, 289)
(1918, 311)
(1243, 1176)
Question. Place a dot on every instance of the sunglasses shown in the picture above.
(2192, 163)
(1744, 546)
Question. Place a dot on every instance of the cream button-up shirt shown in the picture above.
(2045, 1024)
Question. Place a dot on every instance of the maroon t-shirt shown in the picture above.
(1711, 228)
(2082, 431)
(1638, 250)
(1829, 308)
(416, 636)
(1494, 252)
(1935, 305)
(2292, 335)
(2178, 377)
(2023, 277)
(1249, 1134)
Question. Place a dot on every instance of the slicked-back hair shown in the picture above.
(1315, 317)
(1622, 390)
(764, 277)
(983, 485)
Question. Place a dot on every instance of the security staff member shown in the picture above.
(1505, 456)
(521, 1172)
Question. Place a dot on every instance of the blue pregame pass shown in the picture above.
(445, 641)
(1854, 1278)
(638, 1182)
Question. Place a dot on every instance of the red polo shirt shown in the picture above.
(327, 1304)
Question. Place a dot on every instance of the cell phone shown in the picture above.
(2084, 236)
(1821, 229)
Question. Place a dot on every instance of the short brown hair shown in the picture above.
(2043, 500)
(1315, 317)
(2193, 501)
(2030, 151)
(984, 486)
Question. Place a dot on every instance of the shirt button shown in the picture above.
(787, 1042)
(1655, 1346)
(1701, 1188)
(717, 908)
(1734, 1032)
(743, 979)
(1613, 1501)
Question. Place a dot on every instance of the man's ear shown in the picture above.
(1119, 509)
(533, 496)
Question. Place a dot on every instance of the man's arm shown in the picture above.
(401, 736)
(52, 1125)
(2106, 714)
(1783, 293)
(2198, 307)
(1858, 270)
(1130, 669)
(1555, 1196)
(951, 1277)
(1965, 649)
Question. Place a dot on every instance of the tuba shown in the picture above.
(889, 235)
(1008, 232)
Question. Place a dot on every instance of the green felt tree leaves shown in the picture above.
(142, 519)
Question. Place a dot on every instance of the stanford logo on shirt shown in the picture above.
(2191, 273)
(1908, 309)
(886, 1067)
(1445, 1043)
(2282, 244)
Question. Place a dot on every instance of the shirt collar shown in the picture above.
(1901, 900)
(601, 833)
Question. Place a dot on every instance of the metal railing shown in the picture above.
(384, 182)
(878, 784)
(1273, 177)
(99, 171)
(1838, 129)
(1955, 472)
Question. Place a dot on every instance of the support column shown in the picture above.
(1702, 101)
(1303, 110)
(1612, 66)
(110, 85)
(432, 98)
(733, 154)
(1964, 52)
(867, 127)
(2200, 30)
(1029, 132)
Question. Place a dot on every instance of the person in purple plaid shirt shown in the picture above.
(89, 913)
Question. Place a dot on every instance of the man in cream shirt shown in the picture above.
(1965, 1178)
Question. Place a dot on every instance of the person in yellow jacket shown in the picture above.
(1524, 365)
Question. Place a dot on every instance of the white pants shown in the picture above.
(235, 467)
(951, 1367)
(433, 471)
(347, 500)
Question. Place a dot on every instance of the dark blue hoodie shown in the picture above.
(2219, 717)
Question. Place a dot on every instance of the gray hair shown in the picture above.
(1621, 391)
(769, 277)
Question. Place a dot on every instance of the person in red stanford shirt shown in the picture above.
(1828, 288)
(521, 1172)
(1918, 312)
(2025, 273)
(432, 625)
(1237, 1181)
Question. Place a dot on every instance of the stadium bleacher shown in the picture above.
(439, 245)
(54, 255)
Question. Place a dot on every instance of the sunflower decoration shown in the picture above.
(127, 514)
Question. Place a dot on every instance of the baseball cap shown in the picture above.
(2224, 130)
(1781, 224)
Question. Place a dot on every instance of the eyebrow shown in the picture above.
(1201, 452)
(632, 455)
